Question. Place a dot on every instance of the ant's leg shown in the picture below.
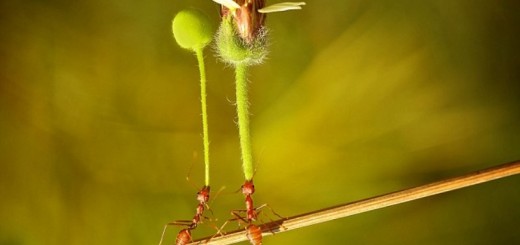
(272, 211)
(181, 223)
(237, 217)
(265, 205)
(219, 230)
(162, 235)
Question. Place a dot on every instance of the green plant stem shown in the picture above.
(243, 120)
(205, 137)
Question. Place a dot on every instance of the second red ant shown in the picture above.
(184, 236)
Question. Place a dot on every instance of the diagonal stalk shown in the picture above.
(369, 204)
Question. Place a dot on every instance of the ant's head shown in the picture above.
(203, 194)
(248, 188)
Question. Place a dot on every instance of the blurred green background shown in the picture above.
(100, 120)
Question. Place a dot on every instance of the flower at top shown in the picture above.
(249, 15)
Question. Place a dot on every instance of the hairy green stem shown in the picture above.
(243, 120)
(205, 137)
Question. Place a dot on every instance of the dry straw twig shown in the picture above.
(370, 204)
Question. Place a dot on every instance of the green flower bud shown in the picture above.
(235, 50)
(192, 29)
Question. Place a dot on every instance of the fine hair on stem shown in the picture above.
(203, 95)
(243, 120)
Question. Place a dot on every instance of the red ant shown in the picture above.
(254, 233)
(184, 236)
(248, 189)
(251, 212)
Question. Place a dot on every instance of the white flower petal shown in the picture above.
(279, 7)
(230, 4)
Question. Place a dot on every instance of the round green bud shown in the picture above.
(235, 50)
(192, 29)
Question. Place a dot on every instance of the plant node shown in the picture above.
(235, 50)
